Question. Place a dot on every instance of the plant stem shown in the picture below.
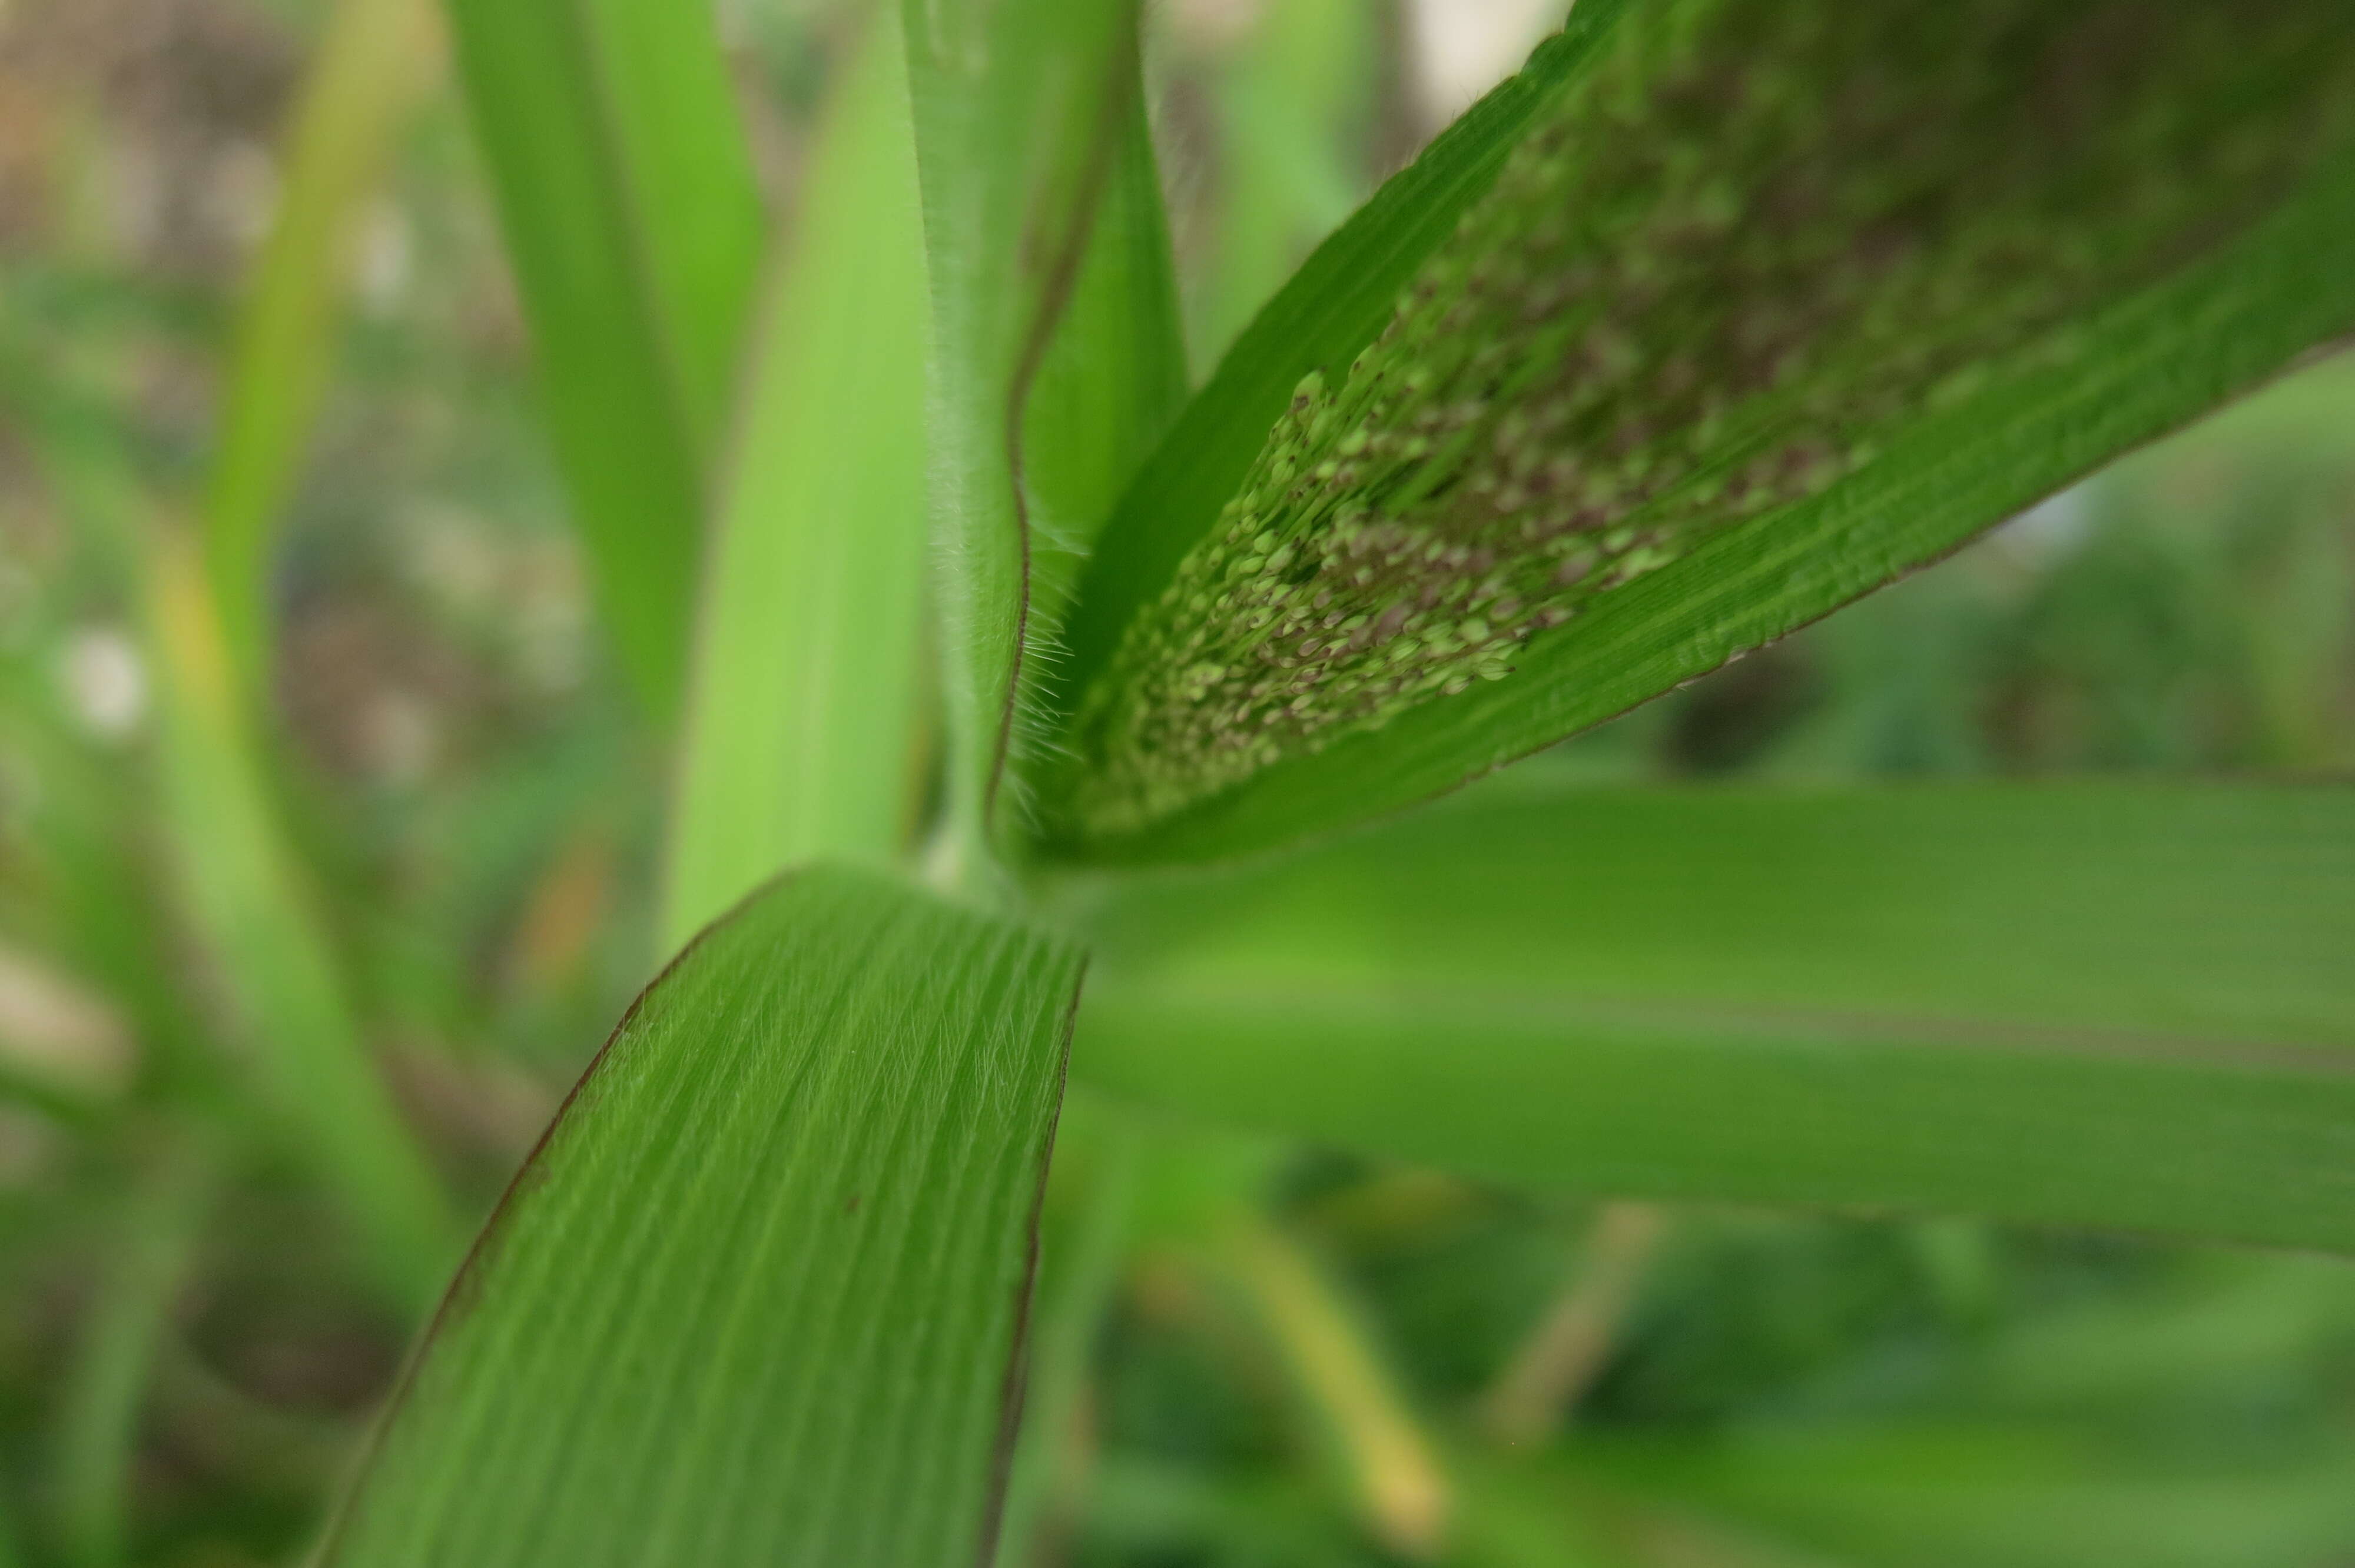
(1563, 1356)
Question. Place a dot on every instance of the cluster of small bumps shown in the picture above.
(1736, 254)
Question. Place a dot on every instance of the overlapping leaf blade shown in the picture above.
(373, 61)
(801, 722)
(636, 231)
(1768, 306)
(755, 1297)
(250, 906)
(1983, 1494)
(1056, 354)
(1329, 310)
(2091, 1005)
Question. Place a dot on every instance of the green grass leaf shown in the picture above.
(244, 895)
(801, 722)
(1986, 1495)
(162, 1220)
(373, 61)
(1056, 354)
(756, 1297)
(1332, 307)
(2112, 1006)
(626, 193)
(1770, 305)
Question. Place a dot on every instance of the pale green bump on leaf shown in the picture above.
(1757, 272)
(757, 1297)
(1330, 309)
(2106, 1005)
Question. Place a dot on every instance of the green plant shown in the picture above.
(1012, 660)
(1718, 315)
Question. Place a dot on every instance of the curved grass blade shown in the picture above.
(245, 896)
(1056, 355)
(1330, 309)
(800, 739)
(1345, 1387)
(757, 1297)
(1773, 304)
(1984, 1494)
(236, 886)
(374, 60)
(627, 198)
(162, 1221)
(2109, 1006)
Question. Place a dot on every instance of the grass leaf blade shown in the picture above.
(801, 729)
(244, 892)
(373, 61)
(2102, 1005)
(1331, 308)
(755, 1297)
(1766, 310)
(1040, 212)
(626, 193)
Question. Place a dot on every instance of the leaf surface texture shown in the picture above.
(756, 1297)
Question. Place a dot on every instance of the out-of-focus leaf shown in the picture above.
(107, 1389)
(2096, 1005)
(79, 886)
(1152, 1508)
(373, 59)
(1517, 1518)
(1056, 355)
(1288, 106)
(1347, 1392)
(755, 1297)
(235, 886)
(1770, 303)
(1995, 1497)
(248, 904)
(2254, 1321)
(801, 731)
(635, 229)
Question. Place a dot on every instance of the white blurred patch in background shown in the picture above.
(57, 1033)
(384, 256)
(1458, 49)
(2048, 530)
